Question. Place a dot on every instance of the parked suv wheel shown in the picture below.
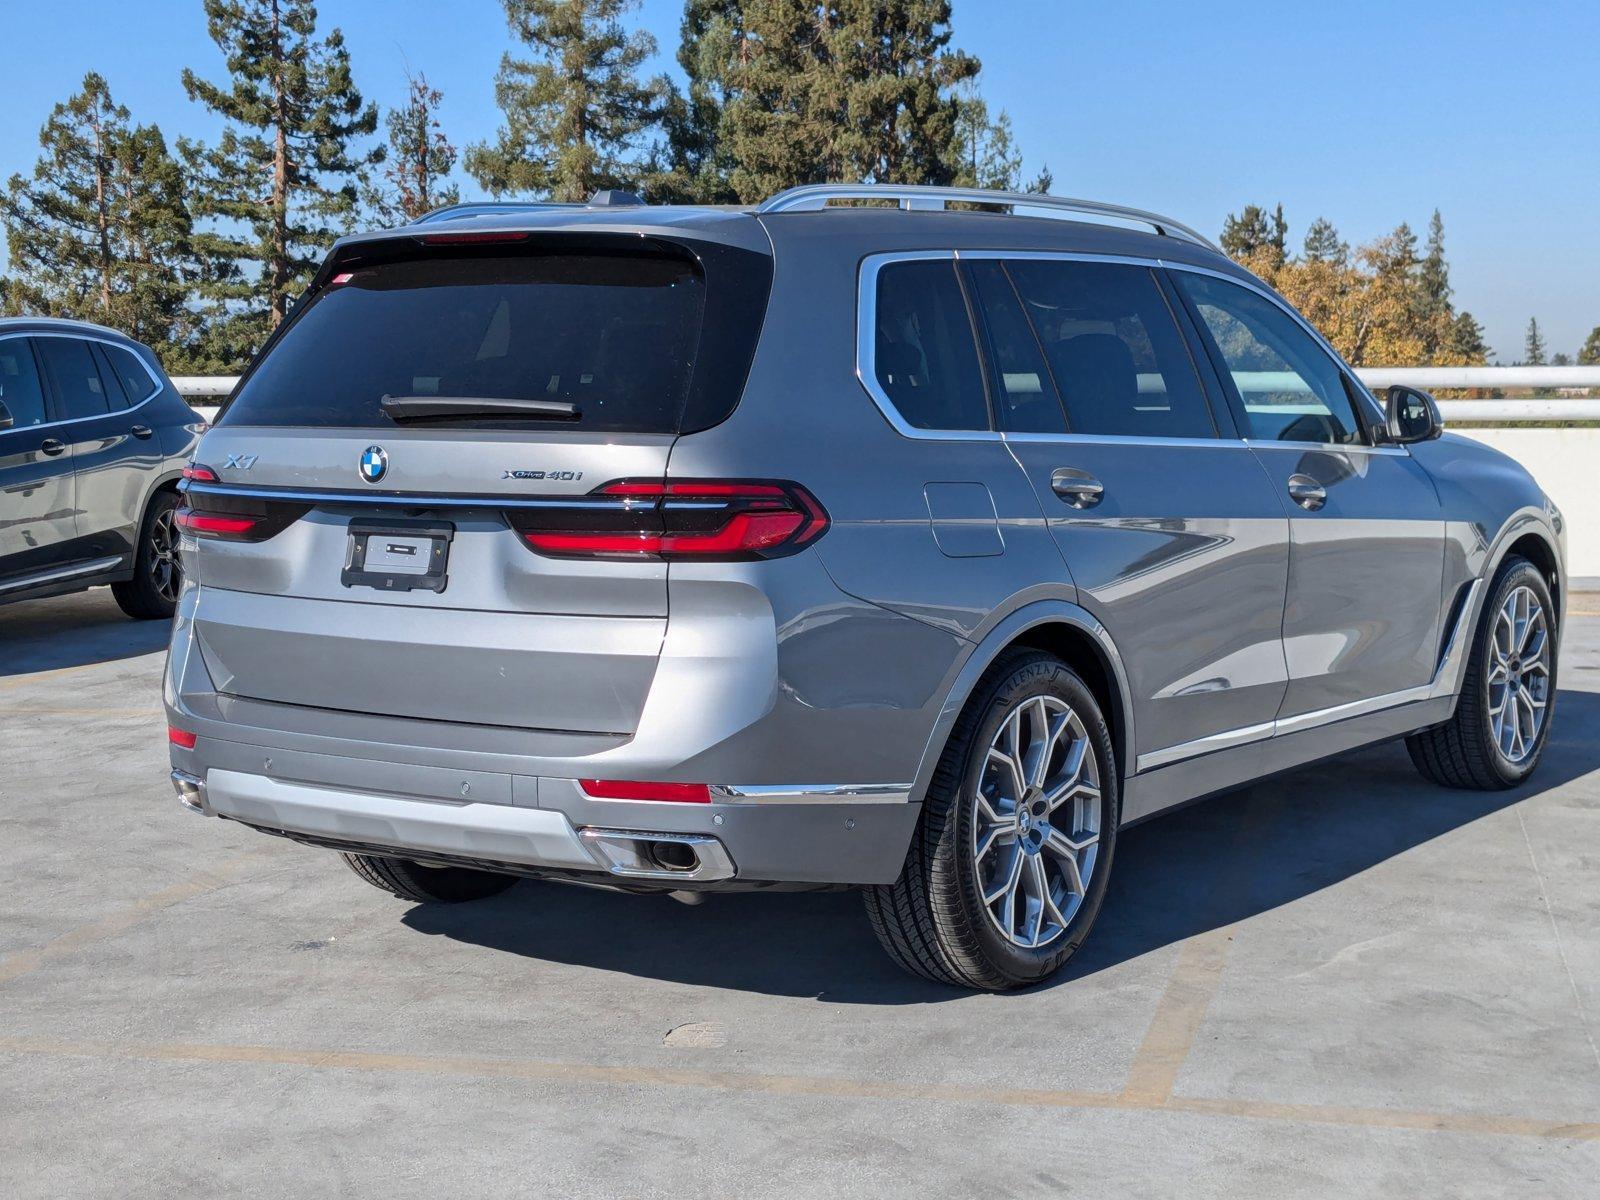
(1502, 719)
(152, 593)
(426, 885)
(1008, 866)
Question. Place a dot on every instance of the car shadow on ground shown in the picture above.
(73, 631)
(1183, 873)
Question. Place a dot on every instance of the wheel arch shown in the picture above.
(1073, 635)
(1529, 535)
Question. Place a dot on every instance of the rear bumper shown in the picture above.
(811, 834)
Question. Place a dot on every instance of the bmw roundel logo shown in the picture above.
(374, 462)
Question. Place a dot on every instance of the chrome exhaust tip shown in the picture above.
(191, 791)
(639, 855)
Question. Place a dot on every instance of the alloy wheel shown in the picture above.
(166, 569)
(1036, 822)
(1519, 675)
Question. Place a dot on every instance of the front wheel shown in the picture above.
(1502, 719)
(1008, 866)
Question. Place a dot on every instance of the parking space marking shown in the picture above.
(21, 962)
(78, 712)
(799, 1085)
(1178, 1017)
(1555, 932)
(16, 681)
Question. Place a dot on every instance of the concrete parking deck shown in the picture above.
(1341, 982)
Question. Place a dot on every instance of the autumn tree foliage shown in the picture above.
(1382, 304)
(420, 158)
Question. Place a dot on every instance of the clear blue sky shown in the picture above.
(1368, 113)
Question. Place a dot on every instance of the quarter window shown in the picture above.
(1118, 360)
(77, 379)
(20, 389)
(1289, 388)
(924, 357)
(135, 376)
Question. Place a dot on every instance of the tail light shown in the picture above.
(707, 520)
(209, 524)
(209, 512)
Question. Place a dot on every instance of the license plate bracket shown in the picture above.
(397, 554)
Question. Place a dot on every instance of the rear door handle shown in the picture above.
(1307, 492)
(53, 447)
(1078, 488)
(141, 431)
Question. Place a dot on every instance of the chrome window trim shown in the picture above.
(50, 397)
(867, 323)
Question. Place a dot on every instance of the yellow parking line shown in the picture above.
(1179, 1014)
(798, 1085)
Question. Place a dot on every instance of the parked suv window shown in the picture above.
(20, 389)
(1119, 362)
(133, 374)
(613, 334)
(924, 358)
(77, 379)
(1289, 387)
(1027, 396)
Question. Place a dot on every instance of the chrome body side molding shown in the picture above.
(59, 574)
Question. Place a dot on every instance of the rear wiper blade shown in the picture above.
(437, 408)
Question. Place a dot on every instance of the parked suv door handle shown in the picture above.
(53, 446)
(1078, 488)
(141, 431)
(1307, 492)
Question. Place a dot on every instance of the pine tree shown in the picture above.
(1466, 344)
(420, 158)
(100, 230)
(1435, 272)
(693, 165)
(284, 177)
(1248, 232)
(1533, 350)
(1589, 355)
(576, 112)
(784, 113)
(985, 150)
(897, 77)
(1323, 244)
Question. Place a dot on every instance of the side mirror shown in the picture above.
(1411, 415)
(6, 421)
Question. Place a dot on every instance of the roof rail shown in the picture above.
(488, 208)
(814, 197)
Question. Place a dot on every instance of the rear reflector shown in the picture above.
(180, 737)
(618, 789)
(697, 519)
(213, 524)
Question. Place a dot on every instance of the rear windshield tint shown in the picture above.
(613, 334)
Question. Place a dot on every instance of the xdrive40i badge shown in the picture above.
(564, 476)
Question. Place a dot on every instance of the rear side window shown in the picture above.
(21, 391)
(131, 372)
(1114, 349)
(613, 334)
(71, 365)
(924, 357)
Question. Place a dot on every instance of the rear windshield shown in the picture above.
(613, 334)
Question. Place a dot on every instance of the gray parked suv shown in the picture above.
(916, 545)
(93, 437)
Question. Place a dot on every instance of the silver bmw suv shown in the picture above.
(909, 539)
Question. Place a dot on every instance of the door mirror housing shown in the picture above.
(1411, 415)
(6, 420)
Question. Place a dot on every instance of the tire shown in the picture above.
(933, 920)
(152, 593)
(1465, 752)
(427, 885)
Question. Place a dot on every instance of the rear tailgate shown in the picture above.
(384, 574)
